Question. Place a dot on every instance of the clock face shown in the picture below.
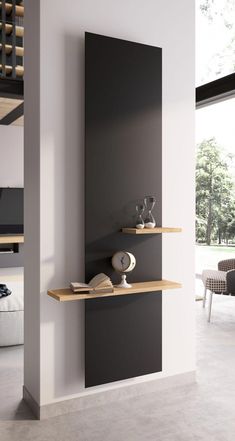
(123, 261)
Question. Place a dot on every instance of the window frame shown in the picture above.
(214, 91)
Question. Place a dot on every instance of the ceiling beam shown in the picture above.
(13, 115)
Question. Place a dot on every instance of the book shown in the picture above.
(100, 283)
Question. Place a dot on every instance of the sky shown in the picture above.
(217, 120)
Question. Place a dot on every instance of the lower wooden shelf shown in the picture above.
(156, 230)
(12, 239)
(67, 295)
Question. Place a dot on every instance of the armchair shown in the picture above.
(219, 282)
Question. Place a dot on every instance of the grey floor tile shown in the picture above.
(204, 411)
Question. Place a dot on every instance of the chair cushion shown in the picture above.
(215, 280)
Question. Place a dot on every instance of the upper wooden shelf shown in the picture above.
(157, 230)
(12, 239)
(67, 295)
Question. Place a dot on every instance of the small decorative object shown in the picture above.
(139, 220)
(4, 291)
(123, 262)
(149, 202)
(100, 283)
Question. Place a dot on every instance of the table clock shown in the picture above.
(123, 262)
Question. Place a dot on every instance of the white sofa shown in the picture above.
(12, 315)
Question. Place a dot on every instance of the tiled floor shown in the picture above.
(201, 411)
(11, 380)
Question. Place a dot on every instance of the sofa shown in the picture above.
(12, 316)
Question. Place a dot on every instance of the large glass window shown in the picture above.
(215, 39)
(215, 184)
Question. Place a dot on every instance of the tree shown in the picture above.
(214, 192)
(219, 16)
(224, 9)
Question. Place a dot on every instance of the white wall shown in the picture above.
(11, 156)
(58, 138)
(11, 175)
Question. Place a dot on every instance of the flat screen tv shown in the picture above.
(11, 210)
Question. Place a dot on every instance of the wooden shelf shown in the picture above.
(157, 230)
(12, 239)
(67, 295)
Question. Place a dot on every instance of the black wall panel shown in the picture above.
(123, 163)
(117, 330)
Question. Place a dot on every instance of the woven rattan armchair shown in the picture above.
(219, 282)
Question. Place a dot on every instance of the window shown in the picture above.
(215, 39)
(215, 184)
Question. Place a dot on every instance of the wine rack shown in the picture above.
(12, 39)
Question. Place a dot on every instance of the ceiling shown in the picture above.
(11, 62)
(7, 105)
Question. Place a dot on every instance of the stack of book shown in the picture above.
(100, 283)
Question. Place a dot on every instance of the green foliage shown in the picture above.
(215, 202)
(212, 9)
